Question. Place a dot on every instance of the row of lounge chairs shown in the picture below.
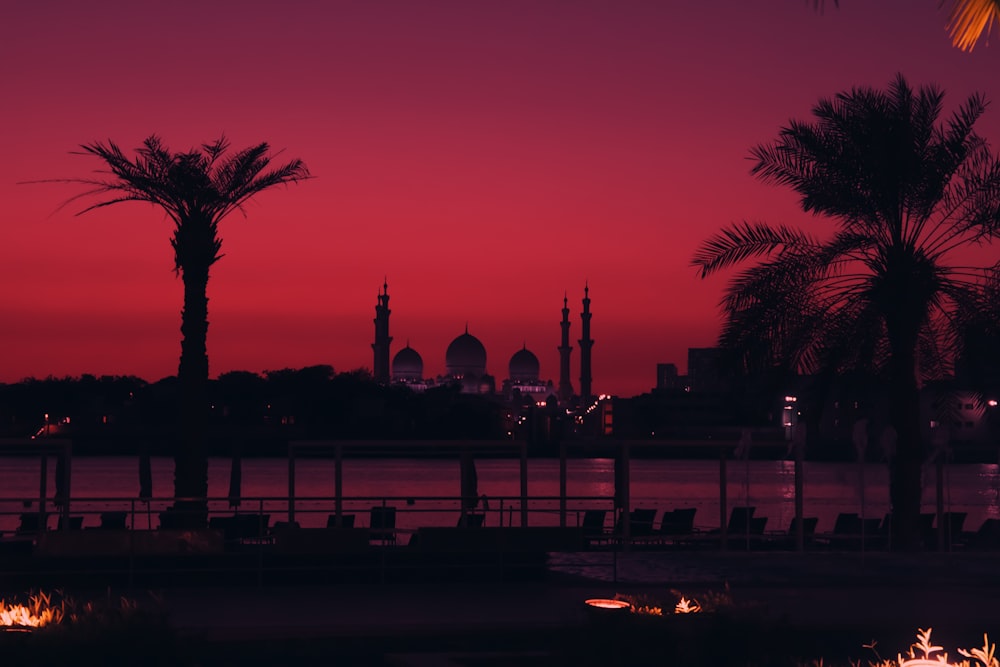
(850, 528)
(744, 530)
(241, 527)
(250, 527)
(676, 527)
(30, 523)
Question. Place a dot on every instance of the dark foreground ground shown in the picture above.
(787, 610)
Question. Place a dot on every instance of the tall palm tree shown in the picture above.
(196, 189)
(883, 293)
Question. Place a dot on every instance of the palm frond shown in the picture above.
(744, 240)
(905, 189)
(196, 188)
(968, 20)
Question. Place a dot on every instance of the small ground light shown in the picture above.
(608, 604)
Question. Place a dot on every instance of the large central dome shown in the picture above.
(523, 366)
(407, 365)
(466, 357)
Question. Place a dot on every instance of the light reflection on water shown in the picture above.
(769, 486)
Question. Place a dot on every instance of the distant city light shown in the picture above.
(790, 399)
(992, 402)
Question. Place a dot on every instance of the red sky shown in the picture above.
(485, 156)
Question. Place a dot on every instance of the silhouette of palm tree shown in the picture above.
(880, 294)
(196, 189)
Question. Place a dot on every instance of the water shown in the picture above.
(425, 491)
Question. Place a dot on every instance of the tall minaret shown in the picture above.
(565, 386)
(380, 366)
(585, 344)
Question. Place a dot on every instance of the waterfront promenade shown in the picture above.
(810, 604)
(833, 601)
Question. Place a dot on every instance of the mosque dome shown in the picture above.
(466, 357)
(407, 365)
(524, 366)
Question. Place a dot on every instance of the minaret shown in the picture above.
(380, 366)
(585, 344)
(565, 386)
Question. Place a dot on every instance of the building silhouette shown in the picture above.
(586, 343)
(466, 362)
(565, 385)
(380, 348)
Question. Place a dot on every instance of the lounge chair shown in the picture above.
(242, 528)
(30, 524)
(749, 536)
(678, 522)
(382, 524)
(741, 521)
(740, 518)
(346, 521)
(113, 520)
(788, 540)
(282, 526)
(640, 523)
(251, 527)
(987, 536)
(846, 532)
(953, 523)
(74, 523)
(593, 525)
(926, 527)
(738, 530)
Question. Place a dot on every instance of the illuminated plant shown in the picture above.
(985, 655)
(924, 653)
(685, 606)
(38, 612)
(647, 606)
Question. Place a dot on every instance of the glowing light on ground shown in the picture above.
(38, 613)
(601, 603)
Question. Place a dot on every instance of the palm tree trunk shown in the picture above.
(906, 466)
(190, 460)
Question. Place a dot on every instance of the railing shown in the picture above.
(120, 537)
(245, 537)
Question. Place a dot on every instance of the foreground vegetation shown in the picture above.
(57, 629)
(692, 629)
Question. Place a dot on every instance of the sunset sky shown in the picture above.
(485, 157)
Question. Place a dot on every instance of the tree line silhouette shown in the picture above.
(256, 414)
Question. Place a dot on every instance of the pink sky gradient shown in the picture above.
(485, 156)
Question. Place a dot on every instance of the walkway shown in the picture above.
(856, 598)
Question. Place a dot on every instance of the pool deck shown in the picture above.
(851, 597)
(861, 597)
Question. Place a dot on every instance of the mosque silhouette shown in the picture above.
(465, 361)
